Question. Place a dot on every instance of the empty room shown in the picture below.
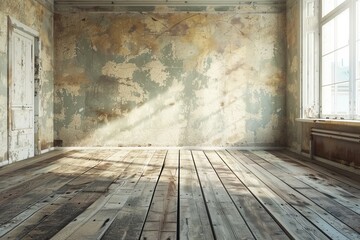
(173, 119)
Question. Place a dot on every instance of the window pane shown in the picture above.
(342, 98)
(329, 5)
(335, 67)
(328, 69)
(328, 37)
(342, 27)
(335, 99)
(336, 33)
(327, 94)
(342, 71)
(328, 99)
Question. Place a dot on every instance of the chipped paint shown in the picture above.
(3, 106)
(170, 79)
(37, 15)
(293, 97)
(124, 71)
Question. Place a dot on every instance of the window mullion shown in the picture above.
(335, 12)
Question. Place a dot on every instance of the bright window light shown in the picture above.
(334, 90)
(329, 5)
(335, 78)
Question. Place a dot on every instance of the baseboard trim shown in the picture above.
(4, 163)
(172, 148)
(25, 162)
(338, 167)
(47, 150)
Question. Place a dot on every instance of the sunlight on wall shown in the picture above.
(180, 79)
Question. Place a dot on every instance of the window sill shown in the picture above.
(355, 123)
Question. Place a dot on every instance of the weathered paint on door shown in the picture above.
(21, 97)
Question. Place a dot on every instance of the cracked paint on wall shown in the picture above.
(38, 17)
(170, 79)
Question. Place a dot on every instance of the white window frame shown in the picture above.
(311, 41)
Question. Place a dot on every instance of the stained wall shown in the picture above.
(170, 79)
(38, 16)
(293, 84)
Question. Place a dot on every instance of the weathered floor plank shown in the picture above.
(63, 185)
(222, 210)
(328, 224)
(315, 180)
(260, 222)
(179, 194)
(121, 162)
(98, 224)
(343, 181)
(193, 218)
(39, 186)
(334, 200)
(130, 219)
(69, 170)
(295, 224)
(161, 221)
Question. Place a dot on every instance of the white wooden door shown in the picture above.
(21, 96)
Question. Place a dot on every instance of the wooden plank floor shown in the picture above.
(176, 194)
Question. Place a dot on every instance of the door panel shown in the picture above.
(22, 119)
(21, 97)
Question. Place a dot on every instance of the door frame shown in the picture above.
(12, 25)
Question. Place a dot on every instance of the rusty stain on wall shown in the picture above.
(38, 17)
(170, 79)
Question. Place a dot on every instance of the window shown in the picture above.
(329, 5)
(331, 61)
(335, 65)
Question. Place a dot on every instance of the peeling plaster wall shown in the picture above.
(170, 79)
(293, 93)
(38, 17)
